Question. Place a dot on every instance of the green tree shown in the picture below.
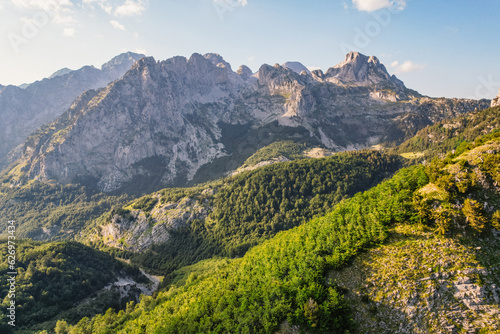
(61, 327)
(496, 220)
(473, 211)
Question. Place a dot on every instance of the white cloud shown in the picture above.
(407, 66)
(252, 58)
(107, 8)
(131, 8)
(69, 32)
(117, 25)
(451, 29)
(63, 19)
(373, 5)
(231, 3)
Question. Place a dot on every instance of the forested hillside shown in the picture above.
(54, 278)
(52, 211)
(227, 219)
(283, 283)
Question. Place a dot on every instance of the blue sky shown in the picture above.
(440, 48)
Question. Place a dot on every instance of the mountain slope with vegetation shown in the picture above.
(440, 222)
(179, 121)
(181, 227)
(448, 134)
(55, 279)
(52, 211)
(281, 280)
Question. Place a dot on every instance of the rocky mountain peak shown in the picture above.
(296, 66)
(60, 72)
(244, 71)
(360, 70)
(217, 59)
(352, 57)
(496, 101)
(124, 60)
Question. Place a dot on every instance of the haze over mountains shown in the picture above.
(163, 121)
(24, 109)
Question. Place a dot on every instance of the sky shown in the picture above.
(441, 48)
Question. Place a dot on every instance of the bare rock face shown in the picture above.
(496, 101)
(244, 71)
(296, 67)
(139, 230)
(23, 110)
(360, 70)
(166, 122)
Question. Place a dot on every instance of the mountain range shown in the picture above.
(24, 109)
(180, 121)
(272, 229)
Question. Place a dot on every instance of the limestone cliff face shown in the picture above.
(139, 230)
(496, 101)
(23, 110)
(164, 121)
(145, 115)
(360, 70)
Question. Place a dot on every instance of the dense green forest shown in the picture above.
(53, 278)
(282, 279)
(282, 282)
(253, 206)
(53, 211)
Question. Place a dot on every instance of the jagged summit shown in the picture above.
(183, 114)
(244, 71)
(296, 66)
(217, 59)
(360, 70)
(354, 57)
(125, 59)
(24, 109)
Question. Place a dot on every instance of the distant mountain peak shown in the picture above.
(127, 59)
(60, 72)
(217, 59)
(358, 69)
(244, 71)
(296, 66)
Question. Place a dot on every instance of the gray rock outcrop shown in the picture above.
(24, 110)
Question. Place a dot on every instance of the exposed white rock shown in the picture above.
(496, 101)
